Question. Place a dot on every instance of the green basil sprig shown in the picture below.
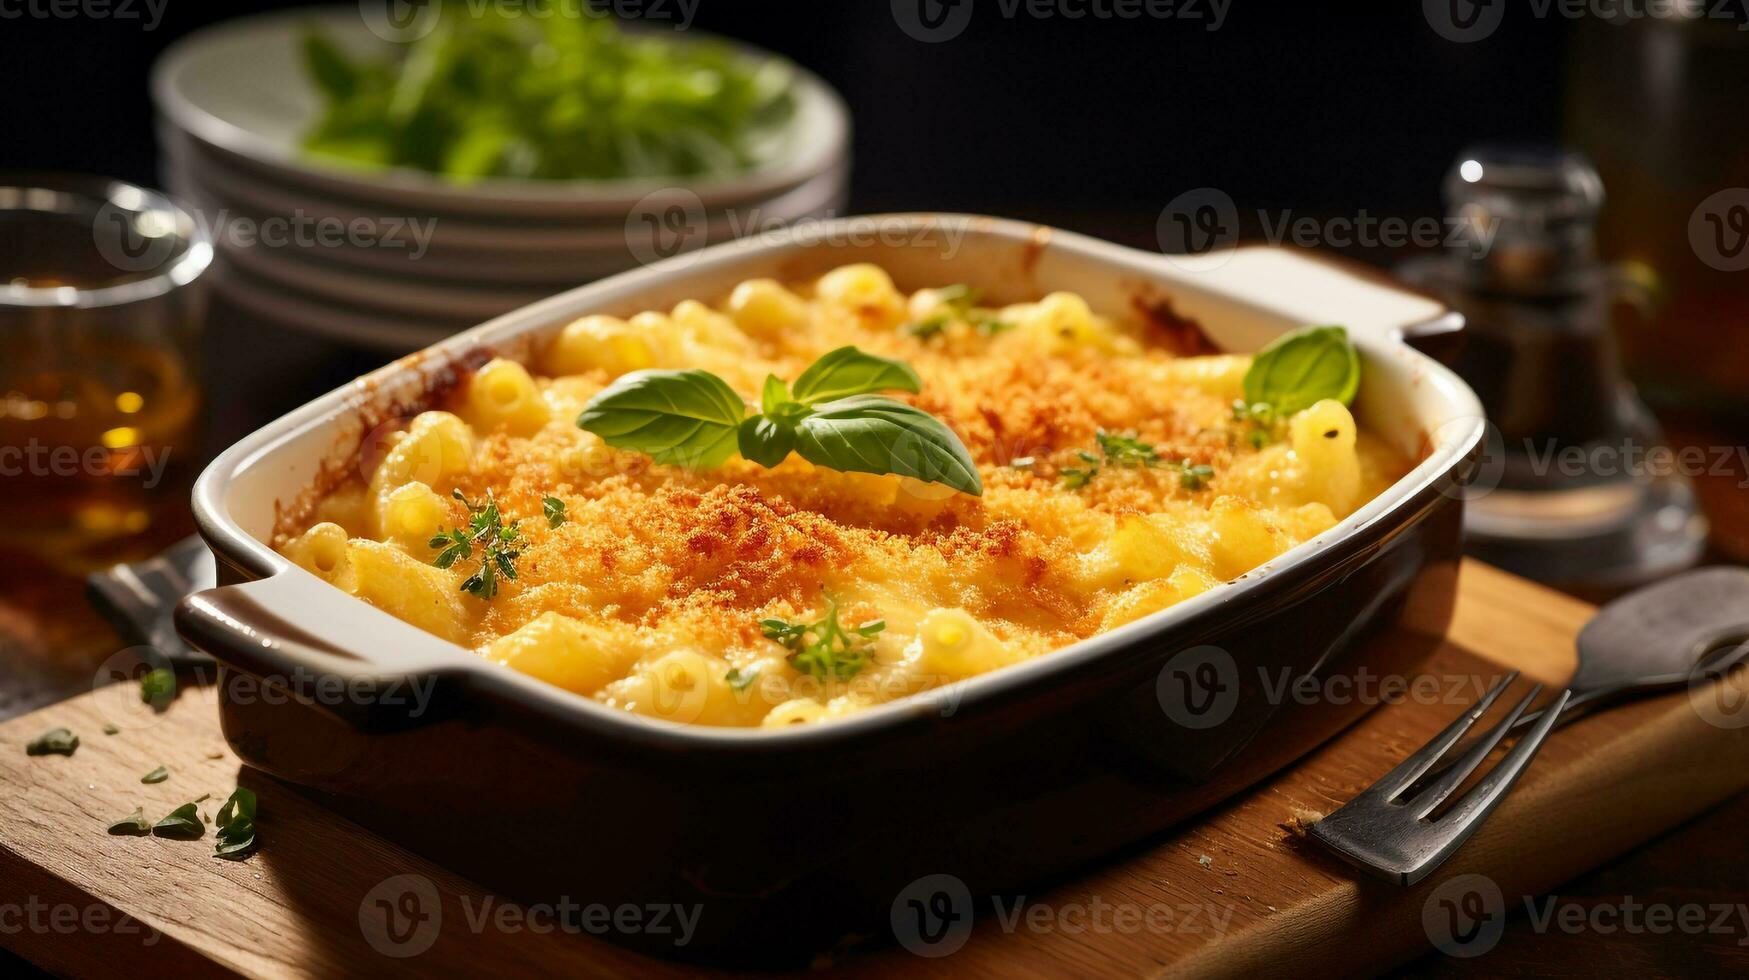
(1302, 369)
(830, 416)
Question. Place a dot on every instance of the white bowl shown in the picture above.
(240, 86)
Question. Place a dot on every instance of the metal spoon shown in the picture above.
(1666, 636)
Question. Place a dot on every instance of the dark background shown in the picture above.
(1092, 124)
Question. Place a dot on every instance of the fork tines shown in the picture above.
(1394, 837)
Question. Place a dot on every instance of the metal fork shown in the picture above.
(1393, 837)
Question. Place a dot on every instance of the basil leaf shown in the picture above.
(182, 823)
(157, 775)
(873, 434)
(55, 741)
(134, 824)
(765, 440)
(158, 687)
(848, 371)
(554, 510)
(775, 395)
(687, 418)
(1303, 368)
(240, 806)
(236, 823)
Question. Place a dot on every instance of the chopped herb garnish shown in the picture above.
(990, 326)
(134, 824)
(1130, 452)
(740, 680)
(109, 728)
(554, 510)
(956, 301)
(55, 741)
(157, 775)
(236, 822)
(1194, 477)
(182, 823)
(959, 296)
(158, 687)
(928, 328)
(498, 543)
(1076, 477)
(1126, 450)
(824, 649)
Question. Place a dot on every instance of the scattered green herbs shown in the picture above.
(134, 824)
(1076, 477)
(182, 823)
(1303, 368)
(498, 543)
(55, 741)
(927, 328)
(157, 775)
(830, 417)
(956, 303)
(1257, 423)
(110, 728)
(236, 826)
(158, 687)
(553, 509)
(824, 649)
(740, 680)
(546, 90)
(1128, 452)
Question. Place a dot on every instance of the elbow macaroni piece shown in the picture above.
(501, 395)
(953, 644)
(697, 597)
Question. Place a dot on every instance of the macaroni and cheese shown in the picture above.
(1117, 480)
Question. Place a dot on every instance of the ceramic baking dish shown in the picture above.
(787, 841)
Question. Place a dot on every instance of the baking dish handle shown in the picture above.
(409, 678)
(1307, 287)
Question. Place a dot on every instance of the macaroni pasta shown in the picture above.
(1119, 480)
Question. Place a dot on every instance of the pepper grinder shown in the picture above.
(1577, 487)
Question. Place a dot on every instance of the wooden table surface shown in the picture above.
(1232, 893)
(51, 644)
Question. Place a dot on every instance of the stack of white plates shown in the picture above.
(399, 259)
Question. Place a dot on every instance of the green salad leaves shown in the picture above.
(546, 90)
(831, 416)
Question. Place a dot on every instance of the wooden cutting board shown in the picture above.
(1239, 893)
